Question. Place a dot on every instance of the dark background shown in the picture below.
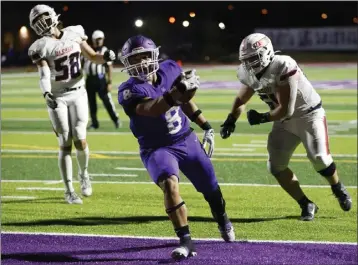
(203, 38)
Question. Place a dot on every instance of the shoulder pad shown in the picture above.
(79, 30)
(37, 50)
(242, 75)
(286, 66)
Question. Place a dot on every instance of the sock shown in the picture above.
(65, 166)
(217, 206)
(182, 231)
(337, 186)
(82, 160)
(304, 201)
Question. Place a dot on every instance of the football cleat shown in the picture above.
(185, 250)
(72, 198)
(86, 187)
(308, 211)
(227, 232)
(343, 197)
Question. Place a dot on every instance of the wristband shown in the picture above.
(206, 126)
(46, 94)
(265, 117)
(195, 115)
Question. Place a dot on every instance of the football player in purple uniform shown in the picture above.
(154, 98)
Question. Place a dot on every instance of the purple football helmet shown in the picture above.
(140, 57)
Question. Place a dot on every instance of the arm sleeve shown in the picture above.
(289, 76)
(45, 79)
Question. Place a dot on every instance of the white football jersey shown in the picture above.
(63, 57)
(276, 74)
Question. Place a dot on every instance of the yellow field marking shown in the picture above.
(30, 147)
(239, 159)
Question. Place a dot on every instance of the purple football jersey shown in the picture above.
(158, 131)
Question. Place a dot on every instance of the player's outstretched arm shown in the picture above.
(97, 58)
(286, 95)
(244, 95)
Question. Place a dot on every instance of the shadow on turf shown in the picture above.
(93, 221)
(68, 256)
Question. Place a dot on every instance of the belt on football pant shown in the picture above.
(318, 106)
(68, 89)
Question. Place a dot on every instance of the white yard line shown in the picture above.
(131, 168)
(114, 175)
(175, 238)
(20, 151)
(38, 188)
(19, 197)
(151, 183)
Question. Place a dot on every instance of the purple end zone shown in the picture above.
(55, 249)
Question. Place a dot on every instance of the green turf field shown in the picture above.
(126, 203)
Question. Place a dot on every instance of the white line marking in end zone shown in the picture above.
(38, 188)
(131, 168)
(175, 238)
(114, 175)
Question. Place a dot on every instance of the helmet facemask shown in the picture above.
(142, 63)
(45, 24)
(256, 61)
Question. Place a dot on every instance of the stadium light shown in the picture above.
(65, 8)
(264, 11)
(185, 23)
(172, 20)
(192, 14)
(324, 16)
(221, 25)
(24, 32)
(138, 23)
(355, 20)
(230, 7)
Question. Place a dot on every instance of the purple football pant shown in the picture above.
(186, 155)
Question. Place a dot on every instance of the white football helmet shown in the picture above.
(256, 52)
(97, 34)
(43, 20)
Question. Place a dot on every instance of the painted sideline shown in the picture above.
(175, 238)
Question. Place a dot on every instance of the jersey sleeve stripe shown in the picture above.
(291, 73)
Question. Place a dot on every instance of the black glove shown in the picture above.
(50, 100)
(109, 56)
(256, 118)
(228, 127)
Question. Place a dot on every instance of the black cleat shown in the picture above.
(185, 250)
(308, 211)
(343, 197)
(118, 124)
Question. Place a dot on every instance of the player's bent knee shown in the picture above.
(328, 171)
(66, 148)
(65, 139)
(169, 184)
(80, 144)
(321, 162)
(275, 169)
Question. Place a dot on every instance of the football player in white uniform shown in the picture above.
(297, 115)
(57, 56)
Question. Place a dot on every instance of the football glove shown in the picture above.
(209, 139)
(190, 80)
(228, 127)
(50, 100)
(255, 117)
(109, 56)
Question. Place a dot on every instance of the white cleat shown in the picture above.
(86, 187)
(72, 198)
(182, 252)
(228, 233)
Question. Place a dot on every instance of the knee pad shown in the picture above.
(275, 169)
(176, 207)
(321, 162)
(328, 171)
